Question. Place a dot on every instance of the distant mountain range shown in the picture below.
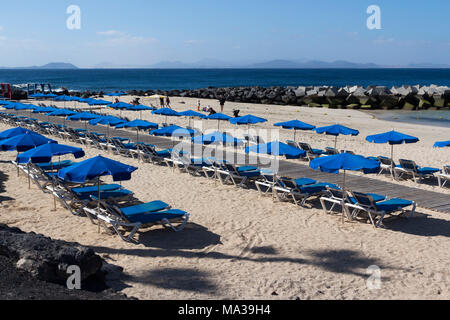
(217, 64)
(52, 65)
(273, 64)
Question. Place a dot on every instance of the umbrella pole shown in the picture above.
(53, 185)
(343, 198)
(29, 179)
(295, 135)
(98, 203)
(392, 162)
(335, 142)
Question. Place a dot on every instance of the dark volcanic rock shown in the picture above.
(47, 259)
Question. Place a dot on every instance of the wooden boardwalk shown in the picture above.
(435, 201)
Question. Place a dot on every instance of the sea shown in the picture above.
(108, 80)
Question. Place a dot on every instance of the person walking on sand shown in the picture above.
(198, 106)
(168, 102)
(161, 101)
(222, 101)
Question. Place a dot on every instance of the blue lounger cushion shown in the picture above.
(201, 162)
(427, 170)
(144, 208)
(318, 187)
(392, 205)
(319, 151)
(103, 188)
(131, 146)
(247, 168)
(164, 153)
(250, 174)
(105, 195)
(56, 165)
(374, 196)
(304, 182)
(157, 216)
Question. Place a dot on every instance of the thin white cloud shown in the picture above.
(1, 28)
(111, 33)
(194, 41)
(383, 40)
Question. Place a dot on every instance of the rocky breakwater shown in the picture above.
(348, 97)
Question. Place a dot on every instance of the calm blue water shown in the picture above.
(167, 79)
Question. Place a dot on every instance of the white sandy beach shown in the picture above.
(239, 245)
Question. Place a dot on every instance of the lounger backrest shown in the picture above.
(408, 165)
(336, 193)
(292, 143)
(332, 151)
(386, 161)
(305, 146)
(288, 183)
(363, 199)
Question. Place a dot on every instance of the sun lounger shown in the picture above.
(239, 176)
(139, 216)
(410, 168)
(331, 151)
(444, 176)
(299, 190)
(367, 203)
(75, 199)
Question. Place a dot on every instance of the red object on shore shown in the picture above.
(6, 91)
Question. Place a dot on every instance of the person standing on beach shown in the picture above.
(198, 106)
(168, 102)
(161, 102)
(222, 101)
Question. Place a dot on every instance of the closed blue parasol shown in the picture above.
(277, 148)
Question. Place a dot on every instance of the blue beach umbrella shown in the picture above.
(192, 114)
(215, 138)
(24, 142)
(120, 106)
(99, 102)
(45, 152)
(95, 168)
(139, 125)
(12, 105)
(442, 144)
(44, 109)
(141, 108)
(83, 116)
(277, 148)
(14, 132)
(336, 130)
(37, 95)
(173, 131)
(4, 102)
(248, 120)
(108, 121)
(166, 112)
(392, 138)
(61, 113)
(295, 125)
(50, 95)
(219, 117)
(344, 161)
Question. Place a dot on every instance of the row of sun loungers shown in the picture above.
(111, 212)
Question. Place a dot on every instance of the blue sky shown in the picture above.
(143, 32)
